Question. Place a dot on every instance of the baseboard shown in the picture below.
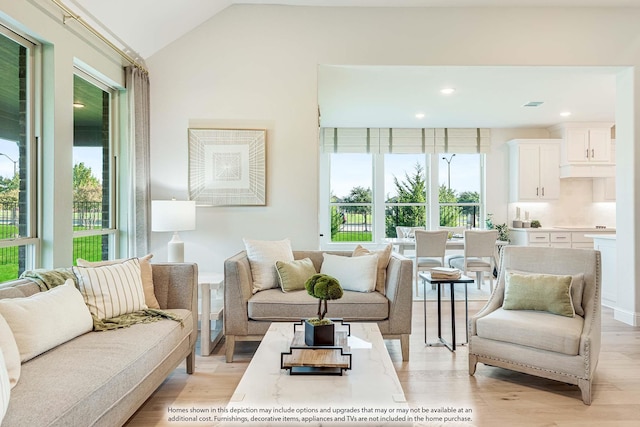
(628, 317)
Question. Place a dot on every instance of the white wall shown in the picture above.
(258, 64)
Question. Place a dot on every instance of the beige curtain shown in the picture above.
(405, 140)
(138, 217)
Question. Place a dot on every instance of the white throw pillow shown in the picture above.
(112, 290)
(10, 352)
(47, 319)
(146, 275)
(5, 388)
(354, 273)
(263, 255)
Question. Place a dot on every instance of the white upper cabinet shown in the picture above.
(585, 150)
(534, 170)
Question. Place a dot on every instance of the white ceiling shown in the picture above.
(391, 96)
(354, 96)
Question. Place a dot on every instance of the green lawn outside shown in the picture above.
(89, 248)
(352, 236)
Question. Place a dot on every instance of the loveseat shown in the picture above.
(102, 378)
(247, 316)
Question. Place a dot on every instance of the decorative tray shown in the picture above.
(302, 359)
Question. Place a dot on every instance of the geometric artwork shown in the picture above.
(227, 167)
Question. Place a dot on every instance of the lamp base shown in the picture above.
(175, 249)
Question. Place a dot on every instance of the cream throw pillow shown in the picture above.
(539, 292)
(263, 255)
(112, 290)
(146, 275)
(5, 388)
(354, 273)
(293, 274)
(47, 319)
(384, 256)
(10, 352)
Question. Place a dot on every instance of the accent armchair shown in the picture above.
(534, 341)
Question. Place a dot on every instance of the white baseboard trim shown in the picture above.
(628, 317)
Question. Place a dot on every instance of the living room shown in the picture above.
(256, 67)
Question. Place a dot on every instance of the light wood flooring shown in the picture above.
(435, 377)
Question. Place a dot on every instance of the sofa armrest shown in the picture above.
(399, 291)
(238, 284)
(176, 286)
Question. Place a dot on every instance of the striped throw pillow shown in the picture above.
(112, 290)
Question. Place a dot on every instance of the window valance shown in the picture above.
(405, 140)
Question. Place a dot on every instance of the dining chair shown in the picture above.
(412, 231)
(479, 250)
(430, 250)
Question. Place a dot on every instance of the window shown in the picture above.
(373, 180)
(460, 179)
(18, 240)
(93, 210)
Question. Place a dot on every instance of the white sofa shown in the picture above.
(102, 378)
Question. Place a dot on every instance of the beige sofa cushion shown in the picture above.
(10, 352)
(97, 369)
(273, 305)
(146, 275)
(45, 320)
(112, 290)
(536, 329)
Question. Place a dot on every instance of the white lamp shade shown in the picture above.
(173, 215)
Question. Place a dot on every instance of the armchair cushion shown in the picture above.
(537, 329)
(539, 292)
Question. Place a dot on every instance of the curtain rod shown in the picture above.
(71, 14)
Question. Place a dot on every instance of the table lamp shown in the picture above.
(173, 215)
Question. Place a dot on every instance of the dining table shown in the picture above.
(454, 243)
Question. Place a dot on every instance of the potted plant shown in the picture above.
(319, 330)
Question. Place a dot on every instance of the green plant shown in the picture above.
(503, 232)
(535, 223)
(323, 287)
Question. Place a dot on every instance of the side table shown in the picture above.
(211, 309)
(426, 277)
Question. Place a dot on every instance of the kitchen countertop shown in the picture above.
(569, 228)
(601, 236)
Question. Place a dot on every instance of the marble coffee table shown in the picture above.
(367, 394)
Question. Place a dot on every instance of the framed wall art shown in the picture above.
(227, 167)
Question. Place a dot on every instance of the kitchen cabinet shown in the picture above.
(556, 237)
(534, 170)
(586, 149)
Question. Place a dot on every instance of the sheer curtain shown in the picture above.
(138, 214)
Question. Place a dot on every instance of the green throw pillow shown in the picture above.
(540, 292)
(293, 274)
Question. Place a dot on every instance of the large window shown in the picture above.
(17, 227)
(374, 180)
(93, 218)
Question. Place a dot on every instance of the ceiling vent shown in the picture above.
(533, 104)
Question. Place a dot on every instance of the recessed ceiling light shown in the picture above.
(447, 91)
(78, 105)
(419, 115)
(533, 104)
(565, 113)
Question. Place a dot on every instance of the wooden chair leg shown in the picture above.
(585, 388)
(404, 346)
(230, 346)
(473, 361)
(479, 279)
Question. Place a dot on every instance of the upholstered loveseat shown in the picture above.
(102, 378)
(248, 315)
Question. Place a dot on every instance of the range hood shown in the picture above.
(587, 171)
